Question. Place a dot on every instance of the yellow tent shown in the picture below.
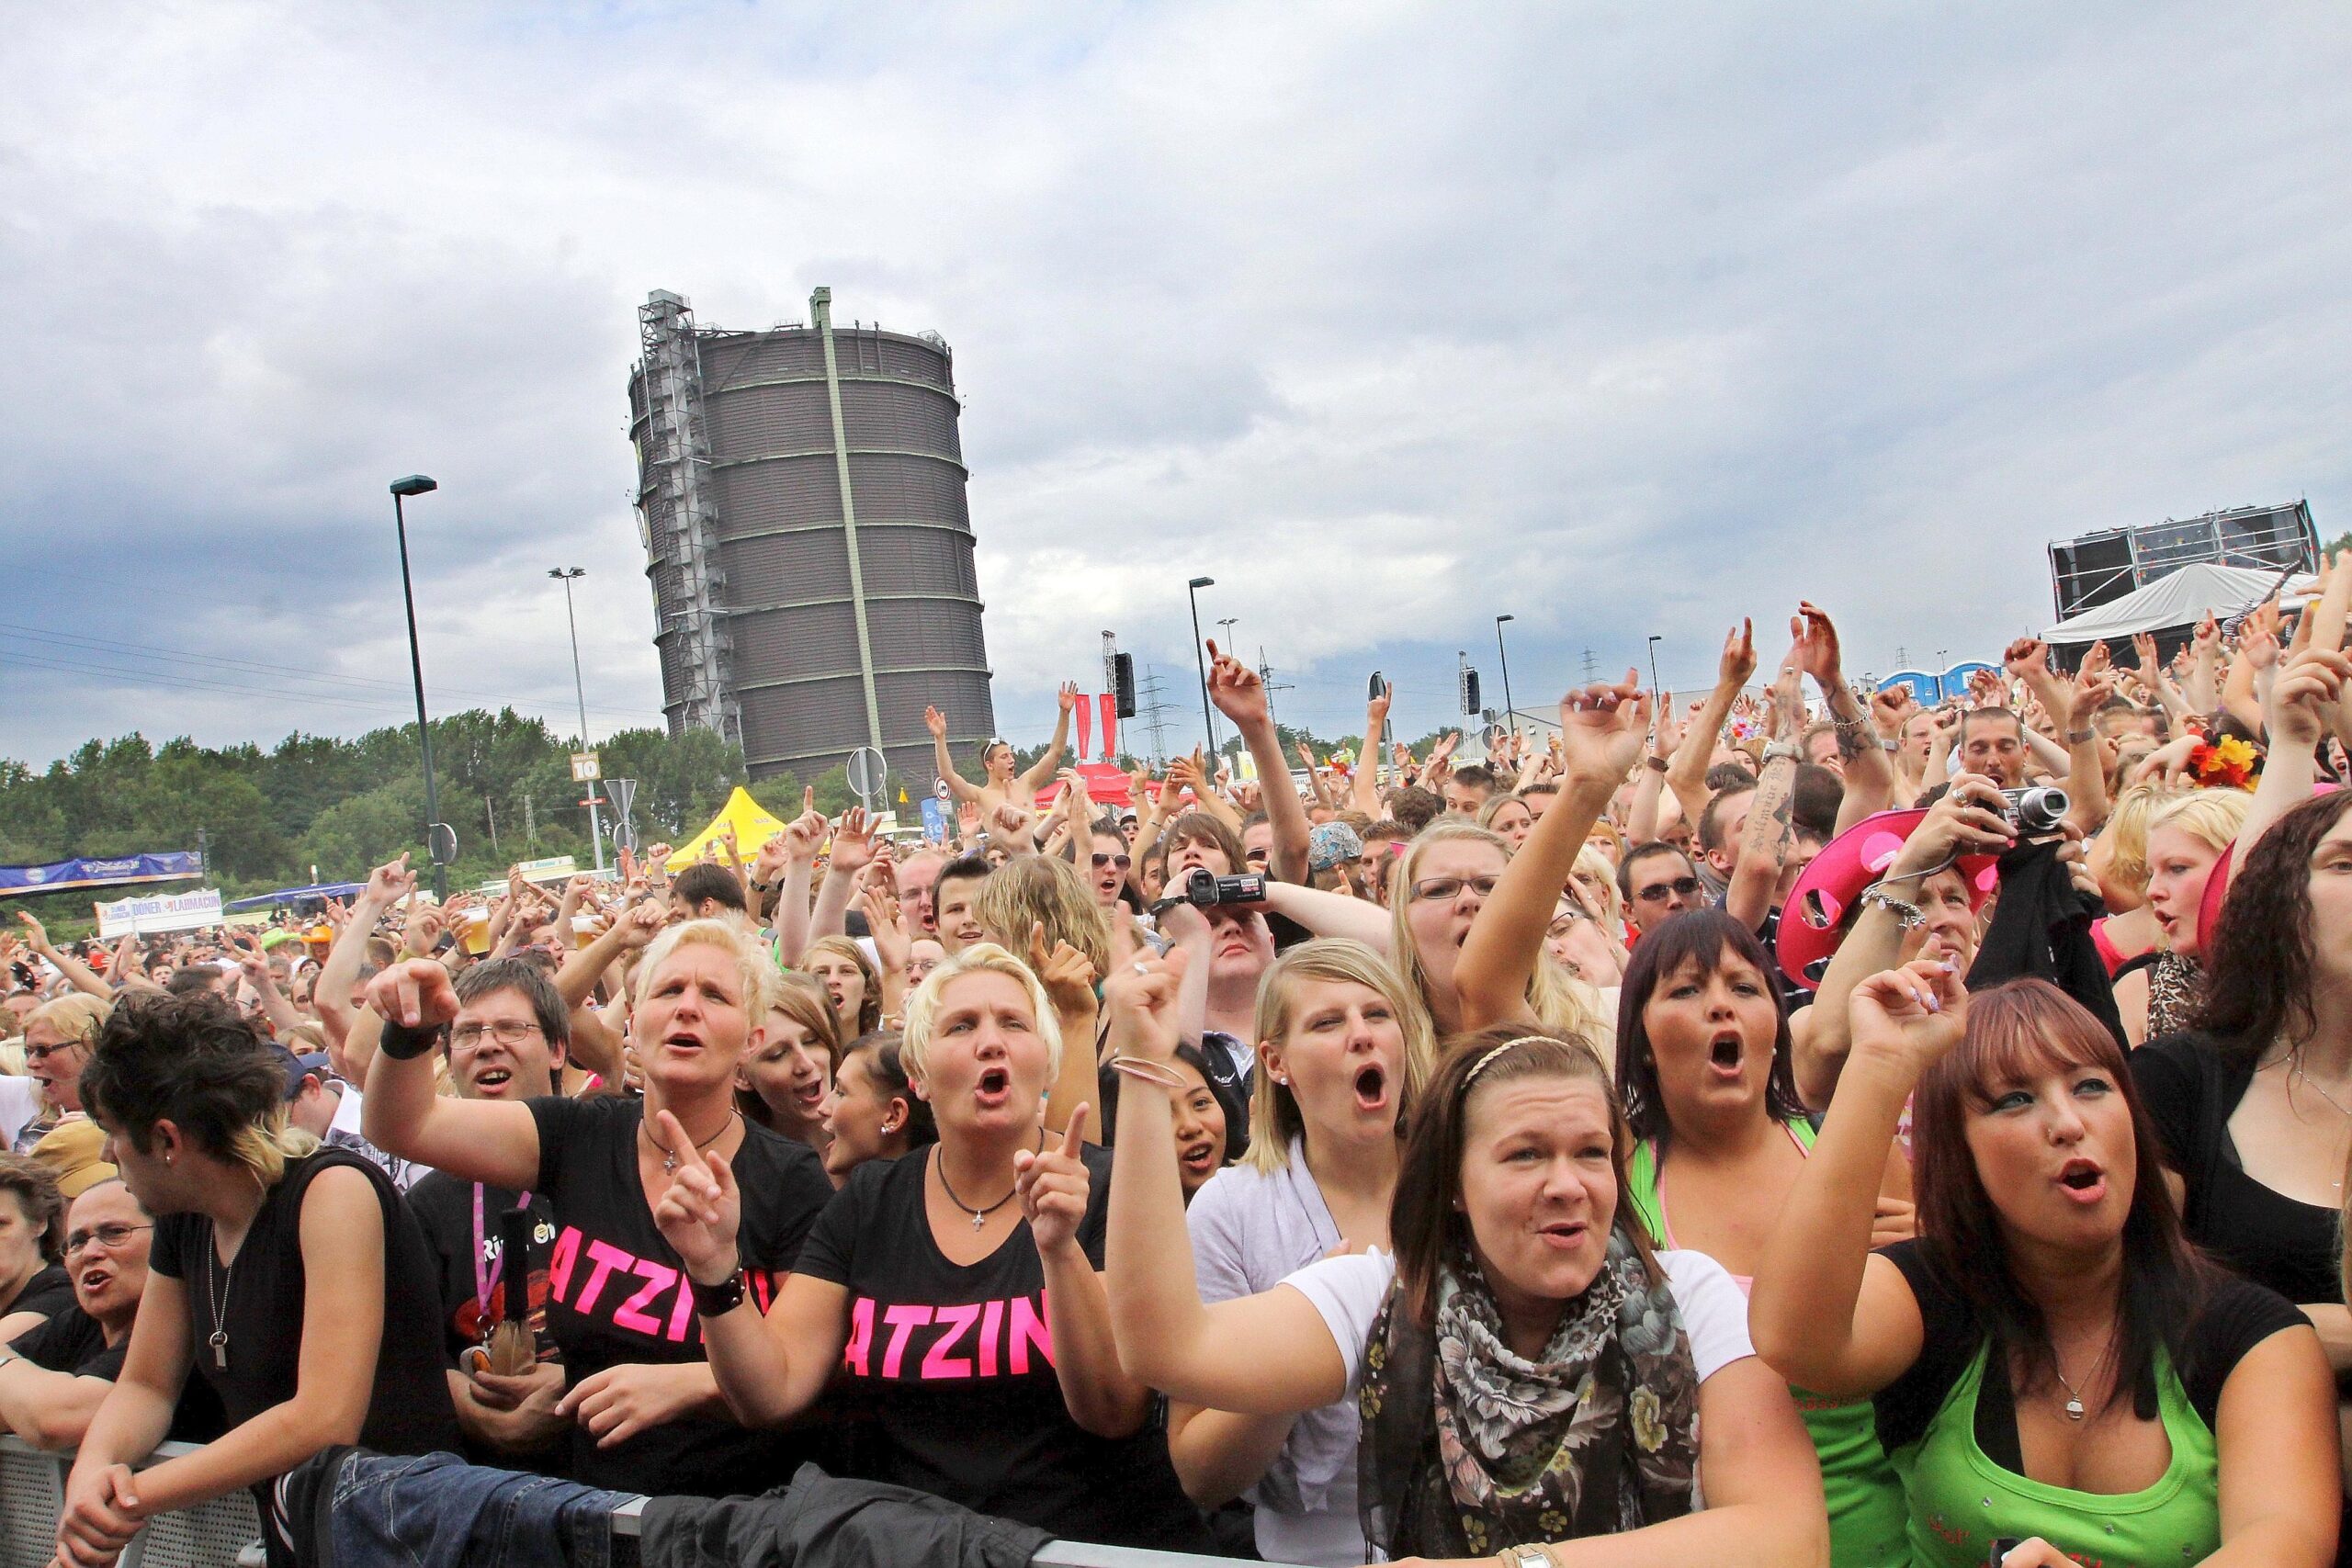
(753, 824)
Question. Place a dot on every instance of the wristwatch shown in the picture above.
(1656, 762)
(1775, 749)
(1525, 1556)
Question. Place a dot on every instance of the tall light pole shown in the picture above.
(417, 484)
(1200, 660)
(1655, 638)
(1509, 712)
(566, 575)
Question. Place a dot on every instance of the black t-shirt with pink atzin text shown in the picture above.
(955, 1364)
(617, 1292)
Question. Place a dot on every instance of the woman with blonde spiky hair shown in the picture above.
(620, 1305)
(957, 1286)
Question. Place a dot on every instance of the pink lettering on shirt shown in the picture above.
(935, 1343)
(991, 1319)
(903, 1320)
(937, 1363)
(631, 1314)
(559, 1261)
(1029, 1327)
(607, 1258)
(861, 1336)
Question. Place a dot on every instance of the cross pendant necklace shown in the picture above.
(979, 1216)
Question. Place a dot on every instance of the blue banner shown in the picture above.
(935, 820)
(170, 865)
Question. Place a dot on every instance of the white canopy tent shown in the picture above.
(2181, 599)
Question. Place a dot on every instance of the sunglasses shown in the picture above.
(43, 1053)
(1122, 862)
(1684, 886)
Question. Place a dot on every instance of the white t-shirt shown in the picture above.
(20, 1107)
(1348, 1293)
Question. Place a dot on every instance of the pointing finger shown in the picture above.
(1074, 1134)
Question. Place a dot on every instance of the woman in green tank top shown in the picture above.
(2050, 1362)
(1703, 1066)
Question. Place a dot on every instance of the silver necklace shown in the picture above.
(2321, 1089)
(2297, 1073)
(218, 1338)
(2075, 1407)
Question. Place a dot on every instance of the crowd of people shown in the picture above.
(1793, 1126)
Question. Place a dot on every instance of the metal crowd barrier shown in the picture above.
(226, 1532)
(628, 1522)
(223, 1534)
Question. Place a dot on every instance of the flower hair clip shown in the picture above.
(2228, 763)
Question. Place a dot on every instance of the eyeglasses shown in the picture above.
(507, 1032)
(1122, 862)
(1682, 887)
(111, 1236)
(1437, 888)
(43, 1053)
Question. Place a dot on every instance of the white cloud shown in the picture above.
(1391, 318)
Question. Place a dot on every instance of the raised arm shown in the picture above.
(2309, 688)
(1687, 774)
(1332, 914)
(1602, 729)
(2086, 769)
(1642, 823)
(1041, 773)
(1764, 840)
(79, 975)
(475, 1140)
(853, 851)
(1167, 1340)
(331, 996)
(1363, 788)
(793, 920)
(1240, 696)
(1868, 771)
(1965, 821)
(957, 785)
(1826, 1315)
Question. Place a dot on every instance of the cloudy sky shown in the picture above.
(1620, 318)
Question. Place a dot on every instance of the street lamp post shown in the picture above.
(1509, 712)
(1200, 661)
(1655, 638)
(567, 576)
(417, 484)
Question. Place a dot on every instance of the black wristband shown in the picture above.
(717, 1300)
(402, 1043)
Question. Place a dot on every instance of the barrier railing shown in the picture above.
(226, 1532)
(223, 1534)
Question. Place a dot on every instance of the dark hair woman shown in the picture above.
(1703, 1066)
(876, 1112)
(2051, 1361)
(289, 1276)
(2251, 1106)
(1577, 1364)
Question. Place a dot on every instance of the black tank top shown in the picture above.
(408, 1407)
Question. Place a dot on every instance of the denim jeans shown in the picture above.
(436, 1511)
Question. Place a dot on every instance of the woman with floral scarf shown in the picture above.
(1534, 1381)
